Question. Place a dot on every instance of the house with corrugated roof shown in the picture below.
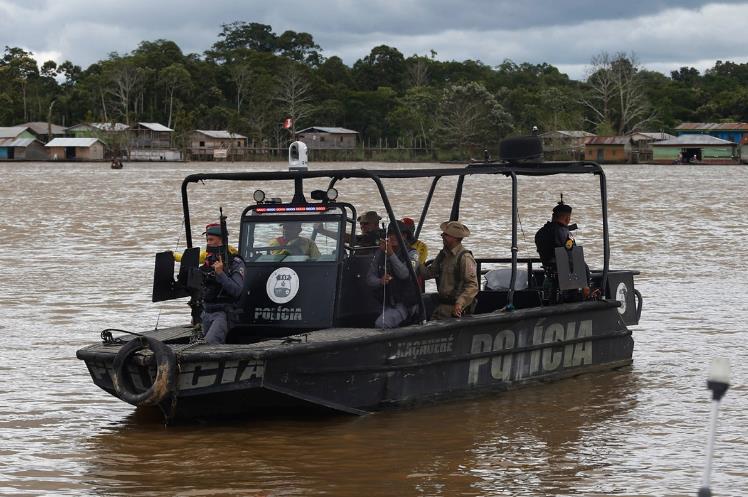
(151, 135)
(565, 144)
(608, 149)
(641, 144)
(152, 141)
(695, 148)
(734, 132)
(19, 143)
(327, 137)
(89, 130)
(215, 144)
(75, 149)
(44, 131)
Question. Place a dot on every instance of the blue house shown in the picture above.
(733, 132)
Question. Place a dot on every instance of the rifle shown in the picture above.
(225, 252)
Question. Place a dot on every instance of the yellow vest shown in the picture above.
(204, 253)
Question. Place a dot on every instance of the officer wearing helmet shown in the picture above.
(223, 282)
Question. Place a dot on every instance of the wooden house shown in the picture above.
(75, 149)
(320, 137)
(641, 145)
(151, 135)
(215, 144)
(608, 149)
(152, 141)
(97, 130)
(45, 131)
(19, 143)
(565, 145)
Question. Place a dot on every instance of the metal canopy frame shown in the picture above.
(511, 170)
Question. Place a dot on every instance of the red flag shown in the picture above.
(287, 122)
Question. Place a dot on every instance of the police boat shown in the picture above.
(304, 336)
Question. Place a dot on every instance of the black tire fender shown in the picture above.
(166, 372)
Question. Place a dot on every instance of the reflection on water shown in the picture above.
(451, 449)
(79, 241)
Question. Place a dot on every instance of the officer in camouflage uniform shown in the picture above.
(455, 271)
(222, 286)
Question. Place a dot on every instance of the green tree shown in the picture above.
(173, 79)
(19, 70)
(299, 47)
(471, 118)
(414, 116)
(384, 66)
(242, 35)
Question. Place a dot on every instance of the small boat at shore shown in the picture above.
(305, 338)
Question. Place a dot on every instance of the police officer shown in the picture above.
(291, 243)
(370, 234)
(370, 231)
(455, 270)
(422, 250)
(389, 277)
(222, 286)
(555, 233)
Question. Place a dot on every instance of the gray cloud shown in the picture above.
(663, 33)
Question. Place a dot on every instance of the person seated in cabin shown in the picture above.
(370, 231)
(291, 243)
(555, 233)
(455, 272)
(370, 234)
(419, 246)
(390, 279)
(223, 282)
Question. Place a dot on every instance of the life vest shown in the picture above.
(213, 291)
(204, 254)
(458, 276)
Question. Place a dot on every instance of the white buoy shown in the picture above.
(718, 382)
(297, 157)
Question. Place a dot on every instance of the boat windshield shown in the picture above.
(274, 241)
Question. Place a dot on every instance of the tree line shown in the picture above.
(251, 79)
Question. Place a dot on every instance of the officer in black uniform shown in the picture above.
(223, 282)
(555, 233)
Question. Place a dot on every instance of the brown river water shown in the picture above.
(79, 241)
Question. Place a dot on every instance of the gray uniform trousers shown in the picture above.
(393, 316)
(215, 326)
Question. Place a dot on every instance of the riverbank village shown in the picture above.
(689, 143)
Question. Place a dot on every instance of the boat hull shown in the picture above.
(360, 370)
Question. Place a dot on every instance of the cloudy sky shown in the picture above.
(664, 34)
